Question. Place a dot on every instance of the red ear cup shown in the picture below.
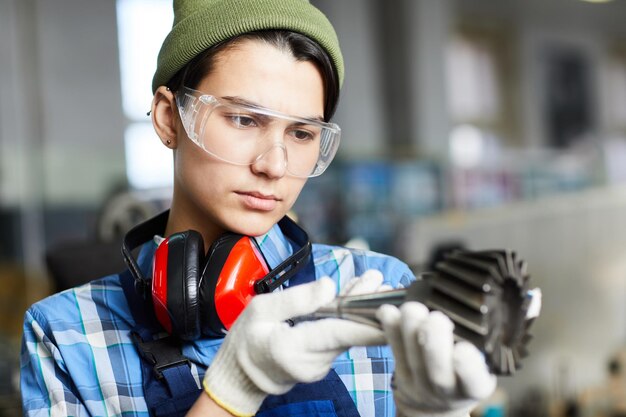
(234, 264)
(194, 295)
(176, 268)
(159, 285)
(189, 306)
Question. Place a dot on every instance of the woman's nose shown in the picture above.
(272, 162)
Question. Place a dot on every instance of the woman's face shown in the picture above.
(214, 196)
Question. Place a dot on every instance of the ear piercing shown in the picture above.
(169, 142)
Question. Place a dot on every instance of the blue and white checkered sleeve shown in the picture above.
(45, 385)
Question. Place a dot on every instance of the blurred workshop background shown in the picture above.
(475, 123)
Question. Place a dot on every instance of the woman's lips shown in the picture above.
(258, 201)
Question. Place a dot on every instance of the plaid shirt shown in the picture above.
(78, 359)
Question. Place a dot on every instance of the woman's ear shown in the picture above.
(163, 113)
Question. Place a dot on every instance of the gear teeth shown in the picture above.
(465, 274)
(518, 358)
(503, 362)
(461, 293)
(523, 352)
(527, 338)
(485, 294)
(495, 355)
(510, 359)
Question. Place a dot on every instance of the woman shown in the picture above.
(243, 94)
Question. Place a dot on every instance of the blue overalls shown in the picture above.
(170, 389)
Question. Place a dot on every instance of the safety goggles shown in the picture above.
(241, 134)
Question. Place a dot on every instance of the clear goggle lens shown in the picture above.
(241, 134)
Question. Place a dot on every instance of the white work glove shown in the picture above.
(263, 355)
(434, 377)
(370, 282)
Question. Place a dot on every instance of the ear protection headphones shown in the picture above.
(196, 295)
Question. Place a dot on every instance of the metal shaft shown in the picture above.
(362, 308)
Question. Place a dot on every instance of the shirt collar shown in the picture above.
(275, 246)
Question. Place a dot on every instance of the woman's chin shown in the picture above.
(254, 225)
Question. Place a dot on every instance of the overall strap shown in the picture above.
(328, 398)
(169, 386)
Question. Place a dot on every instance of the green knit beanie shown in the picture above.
(200, 24)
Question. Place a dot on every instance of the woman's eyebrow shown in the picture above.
(242, 101)
(248, 103)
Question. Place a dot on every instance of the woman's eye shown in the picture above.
(302, 135)
(243, 121)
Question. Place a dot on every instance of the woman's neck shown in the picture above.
(184, 216)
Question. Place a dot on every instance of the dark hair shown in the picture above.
(300, 46)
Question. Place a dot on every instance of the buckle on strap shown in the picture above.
(161, 353)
